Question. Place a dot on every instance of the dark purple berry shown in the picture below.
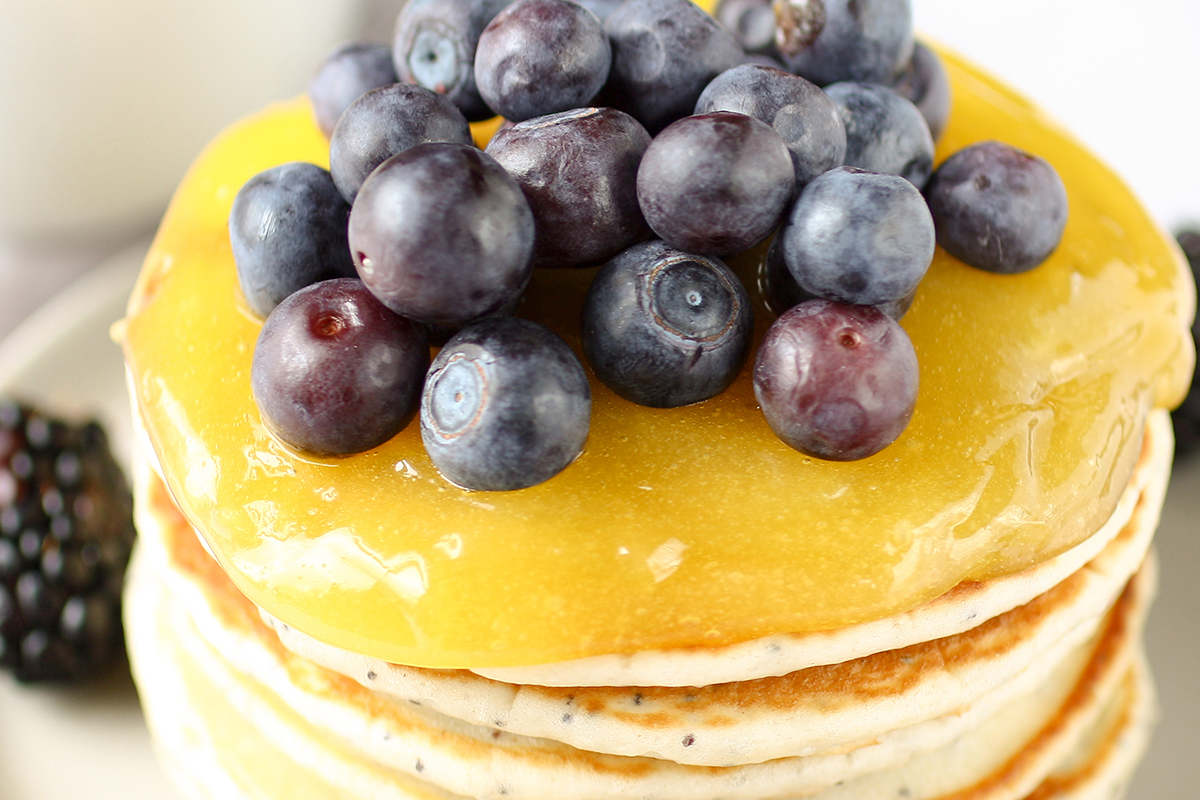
(884, 131)
(844, 40)
(777, 286)
(601, 8)
(434, 47)
(998, 208)
(805, 117)
(539, 57)
(752, 23)
(1186, 418)
(715, 184)
(859, 237)
(665, 328)
(506, 405)
(764, 60)
(287, 228)
(780, 290)
(926, 84)
(348, 73)
(664, 53)
(578, 170)
(836, 381)
(385, 122)
(335, 372)
(442, 234)
(66, 533)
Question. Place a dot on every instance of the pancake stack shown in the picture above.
(691, 610)
(1040, 691)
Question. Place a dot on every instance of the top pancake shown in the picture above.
(683, 527)
(964, 607)
(1003, 751)
(824, 709)
(960, 609)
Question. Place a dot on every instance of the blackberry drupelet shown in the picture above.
(66, 530)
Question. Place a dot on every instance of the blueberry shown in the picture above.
(925, 83)
(715, 184)
(998, 208)
(349, 72)
(859, 237)
(884, 131)
(664, 53)
(287, 228)
(836, 381)
(601, 8)
(385, 122)
(539, 57)
(334, 372)
(776, 285)
(442, 234)
(803, 115)
(828, 41)
(665, 328)
(578, 170)
(752, 23)
(780, 290)
(506, 405)
(434, 46)
(764, 60)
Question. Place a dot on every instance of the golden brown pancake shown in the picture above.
(346, 735)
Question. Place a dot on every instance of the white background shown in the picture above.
(1122, 76)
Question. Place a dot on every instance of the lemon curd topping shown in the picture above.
(675, 527)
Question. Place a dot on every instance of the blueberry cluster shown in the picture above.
(66, 532)
(652, 139)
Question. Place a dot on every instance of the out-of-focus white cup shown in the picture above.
(104, 103)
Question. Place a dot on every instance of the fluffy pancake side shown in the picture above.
(823, 708)
(363, 726)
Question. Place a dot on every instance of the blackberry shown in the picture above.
(66, 530)
(1186, 418)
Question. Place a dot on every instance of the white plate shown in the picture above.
(90, 742)
(87, 742)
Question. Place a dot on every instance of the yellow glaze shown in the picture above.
(679, 527)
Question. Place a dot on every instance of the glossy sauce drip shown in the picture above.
(679, 527)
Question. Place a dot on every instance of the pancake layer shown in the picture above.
(824, 709)
(960, 609)
(1046, 694)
